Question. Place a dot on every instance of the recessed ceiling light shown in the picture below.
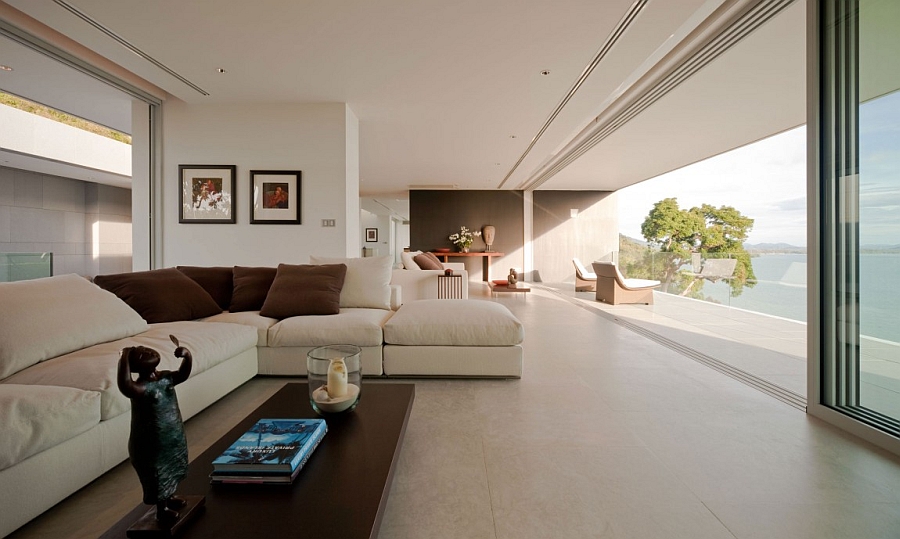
(221, 70)
(512, 136)
(545, 72)
(5, 68)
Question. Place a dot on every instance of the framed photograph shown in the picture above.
(275, 197)
(371, 234)
(206, 194)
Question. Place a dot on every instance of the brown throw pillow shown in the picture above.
(217, 282)
(305, 290)
(163, 295)
(427, 261)
(251, 285)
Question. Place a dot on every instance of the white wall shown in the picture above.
(140, 185)
(321, 140)
(383, 224)
(352, 183)
(593, 234)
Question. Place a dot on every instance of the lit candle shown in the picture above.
(337, 378)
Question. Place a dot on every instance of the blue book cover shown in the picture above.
(273, 445)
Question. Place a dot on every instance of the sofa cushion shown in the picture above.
(361, 327)
(162, 295)
(427, 261)
(35, 418)
(408, 258)
(453, 322)
(305, 290)
(247, 318)
(217, 281)
(44, 318)
(251, 285)
(94, 368)
(368, 281)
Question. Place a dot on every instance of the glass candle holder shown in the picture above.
(335, 378)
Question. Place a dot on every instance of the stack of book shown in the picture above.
(272, 451)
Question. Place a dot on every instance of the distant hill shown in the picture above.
(773, 248)
(879, 248)
(628, 239)
(631, 244)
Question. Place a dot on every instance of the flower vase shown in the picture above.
(463, 249)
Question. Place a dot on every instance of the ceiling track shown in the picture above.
(752, 19)
(53, 52)
(611, 40)
(127, 44)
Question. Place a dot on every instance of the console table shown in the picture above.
(486, 256)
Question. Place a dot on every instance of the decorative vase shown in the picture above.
(463, 249)
(488, 232)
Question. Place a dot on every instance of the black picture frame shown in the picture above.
(207, 194)
(275, 197)
(371, 234)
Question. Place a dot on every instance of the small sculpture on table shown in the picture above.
(513, 278)
(157, 446)
(488, 232)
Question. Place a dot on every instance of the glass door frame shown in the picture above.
(833, 229)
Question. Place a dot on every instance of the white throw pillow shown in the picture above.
(368, 281)
(407, 259)
(49, 317)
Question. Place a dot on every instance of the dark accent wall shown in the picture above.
(434, 215)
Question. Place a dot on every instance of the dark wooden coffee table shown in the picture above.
(340, 493)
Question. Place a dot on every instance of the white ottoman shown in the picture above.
(453, 337)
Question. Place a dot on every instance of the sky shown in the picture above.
(879, 167)
(765, 181)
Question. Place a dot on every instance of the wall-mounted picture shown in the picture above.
(371, 234)
(207, 193)
(275, 197)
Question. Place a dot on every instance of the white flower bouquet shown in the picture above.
(464, 238)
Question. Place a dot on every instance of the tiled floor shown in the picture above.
(767, 347)
(608, 434)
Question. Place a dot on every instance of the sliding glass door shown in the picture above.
(859, 166)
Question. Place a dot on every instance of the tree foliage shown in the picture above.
(708, 231)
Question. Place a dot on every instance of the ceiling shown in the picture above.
(451, 94)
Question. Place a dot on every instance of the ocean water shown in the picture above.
(781, 291)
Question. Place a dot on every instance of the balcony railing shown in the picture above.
(25, 266)
(770, 283)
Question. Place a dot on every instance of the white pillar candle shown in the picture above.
(337, 378)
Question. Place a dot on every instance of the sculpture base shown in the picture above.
(148, 527)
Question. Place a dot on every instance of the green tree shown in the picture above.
(708, 231)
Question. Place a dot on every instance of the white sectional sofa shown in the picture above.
(64, 421)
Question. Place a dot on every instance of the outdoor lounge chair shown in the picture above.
(585, 281)
(717, 268)
(614, 289)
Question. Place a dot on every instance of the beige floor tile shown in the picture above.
(800, 520)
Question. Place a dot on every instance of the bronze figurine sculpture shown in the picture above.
(157, 445)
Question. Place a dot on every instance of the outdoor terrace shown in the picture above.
(765, 351)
